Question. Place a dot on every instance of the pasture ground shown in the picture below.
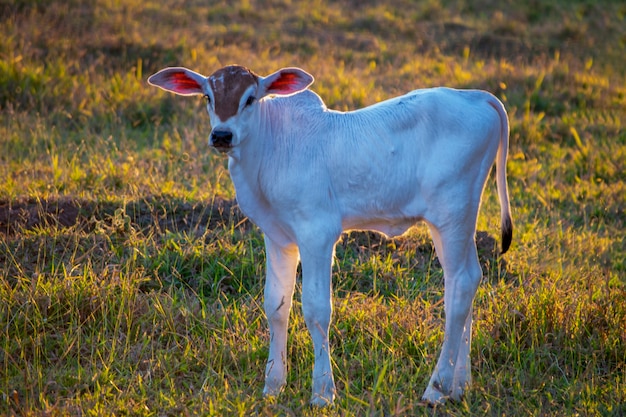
(130, 284)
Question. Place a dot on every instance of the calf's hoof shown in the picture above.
(433, 397)
(272, 390)
(319, 401)
(323, 394)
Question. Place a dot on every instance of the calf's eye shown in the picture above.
(250, 100)
(207, 98)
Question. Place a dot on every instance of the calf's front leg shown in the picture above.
(281, 264)
(317, 310)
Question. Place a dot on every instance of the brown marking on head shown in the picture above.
(228, 85)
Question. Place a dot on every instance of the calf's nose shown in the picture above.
(221, 139)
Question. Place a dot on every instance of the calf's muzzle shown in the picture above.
(221, 139)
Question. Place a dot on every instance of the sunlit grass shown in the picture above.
(130, 284)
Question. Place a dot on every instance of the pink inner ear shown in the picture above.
(183, 83)
(286, 83)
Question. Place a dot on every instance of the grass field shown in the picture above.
(130, 284)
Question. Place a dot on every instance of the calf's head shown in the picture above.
(233, 94)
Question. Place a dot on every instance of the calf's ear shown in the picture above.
(285, 82)
(179, 80)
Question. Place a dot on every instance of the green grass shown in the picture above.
(130, 284)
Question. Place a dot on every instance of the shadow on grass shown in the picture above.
(162, 216)
(153, 212)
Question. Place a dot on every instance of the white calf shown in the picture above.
(304, 174)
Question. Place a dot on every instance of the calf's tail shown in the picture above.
(506, 224)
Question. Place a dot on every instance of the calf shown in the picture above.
(304, 174)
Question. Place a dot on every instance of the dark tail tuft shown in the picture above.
(507, 234)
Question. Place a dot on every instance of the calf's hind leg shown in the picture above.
(463, 371)
(462, 275)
